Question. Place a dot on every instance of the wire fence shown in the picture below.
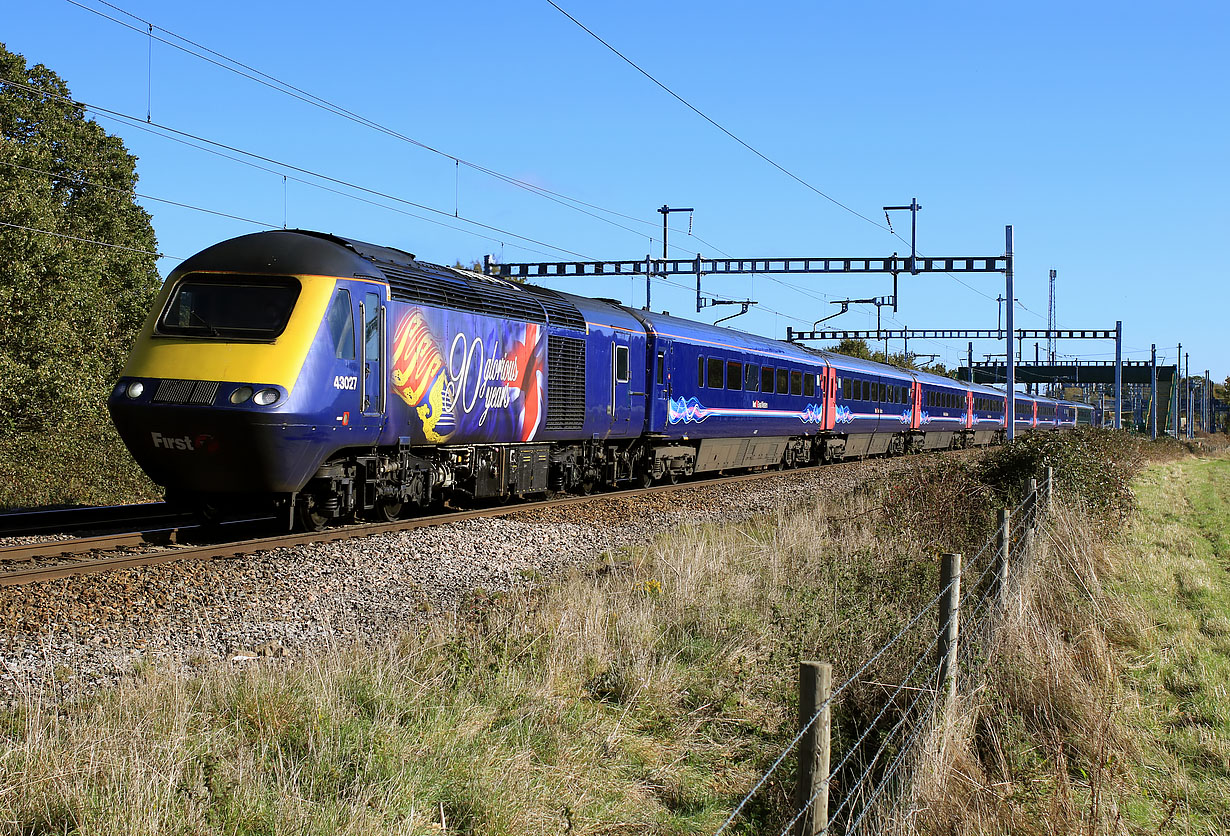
(868, 786)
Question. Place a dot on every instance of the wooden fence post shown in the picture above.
(950, 622)
(815, 688)
(1003, 552)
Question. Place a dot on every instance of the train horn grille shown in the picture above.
(186, 391)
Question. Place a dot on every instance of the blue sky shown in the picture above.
(1099, 130)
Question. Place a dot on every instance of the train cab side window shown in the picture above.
(809, 385)
(700, 372)
(621, 364)
(341, 325)
(752, 378)
(783, 381)
(661, 373)
(734, 375)
(796, 383)
(766, 379)
(717, 376)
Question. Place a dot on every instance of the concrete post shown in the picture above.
(950, 624)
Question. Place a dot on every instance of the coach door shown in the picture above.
(371, 380)
(661, 371)
(621, 383)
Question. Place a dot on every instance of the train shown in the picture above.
(326, 379)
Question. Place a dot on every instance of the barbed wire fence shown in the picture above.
(867, 790)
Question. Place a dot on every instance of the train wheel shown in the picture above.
(309, 516)
(389, 511)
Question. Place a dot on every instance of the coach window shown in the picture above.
(717, 379)
(372, 326)
(700, 372)
(783, 381)
(752, 377)
(796, 383)
(621, 364)
(341, 326)
(809, 385)
(766, 380)
(866, 390)
(734, 375)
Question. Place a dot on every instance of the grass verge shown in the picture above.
(1104, 704)
(644, 695)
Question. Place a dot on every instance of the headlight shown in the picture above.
(266, 397)
(135, 389)
(241, 394)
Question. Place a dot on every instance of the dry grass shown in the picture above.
(1040, 746)
(645, 695)
(1103, 707)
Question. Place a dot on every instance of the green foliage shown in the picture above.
(72, 308)
(853, 348)
(1092, 466)
(88, 465)
(902, 360)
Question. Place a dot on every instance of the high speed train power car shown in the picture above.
(331, 378)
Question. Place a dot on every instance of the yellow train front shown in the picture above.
(248, 373)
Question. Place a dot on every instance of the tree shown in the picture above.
(77, 273)
(853, 348)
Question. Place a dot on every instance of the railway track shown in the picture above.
(152, 515)
(157, 545)
(166, 544)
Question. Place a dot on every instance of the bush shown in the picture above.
(89, 466)
(1093, 467)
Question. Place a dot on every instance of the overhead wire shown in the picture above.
(291, 167)
(321, 187)
(746, 145)
(712, 121)
(251, 73)
(141, 195)
(83, 239)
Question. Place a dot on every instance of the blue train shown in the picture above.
(332, 378)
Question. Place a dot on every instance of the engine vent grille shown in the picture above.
(443, 288)
(186, 391)
(565, 383)
(560, 311)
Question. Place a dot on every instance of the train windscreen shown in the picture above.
(229, 307)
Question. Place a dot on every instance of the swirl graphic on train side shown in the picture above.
(691, 411)
(688, 411)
